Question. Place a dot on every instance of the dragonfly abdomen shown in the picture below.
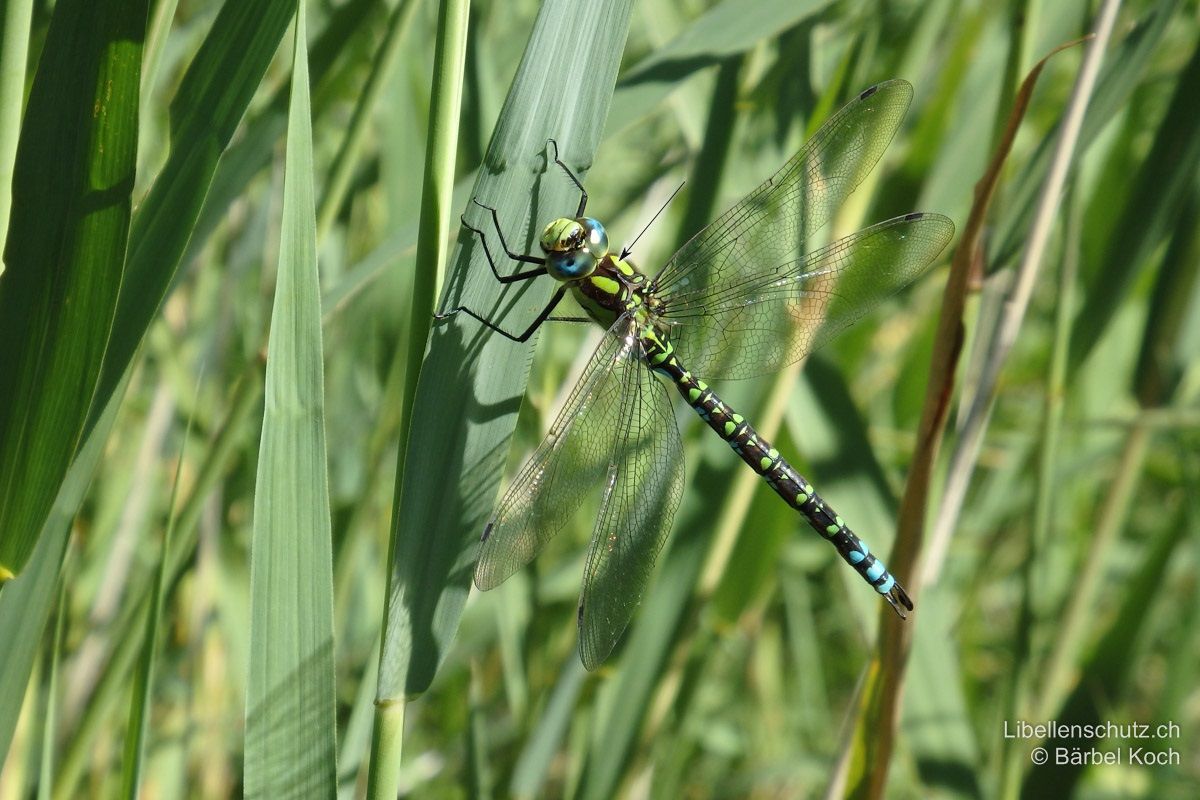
(781, 476)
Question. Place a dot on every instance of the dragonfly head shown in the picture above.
(573, 247)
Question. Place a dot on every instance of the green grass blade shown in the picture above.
(471, 381)
(290, 723)
(207, 107)
(355, 745)
(704, 183)
(25, 607)
(50, 714)
(1105, 675)
(263, 127)
(648, 643)
(349, 155)
(72, 195)
(542, 744)
(727, 29)
(1075, 620)
(230, 434)
(14, 51)
(143, 680)
(26, 601)
(479, 776)
(1151, 211)
(437, 190)
(875, 734)
(1034, 570)
(936, 718)
(1166, 349)
(1123, 72)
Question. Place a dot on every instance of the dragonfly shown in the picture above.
(740, 299)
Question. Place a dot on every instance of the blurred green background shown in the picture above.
(1066, 589)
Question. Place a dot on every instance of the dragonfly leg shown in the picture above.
(521, 337)
(487, 251)
(583, 198)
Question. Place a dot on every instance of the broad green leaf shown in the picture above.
(72, 194)
(472, 380)
(290, 722)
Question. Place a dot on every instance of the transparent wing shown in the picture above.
(643, 487)
(768, 319)
(769, 226)
(571, 461)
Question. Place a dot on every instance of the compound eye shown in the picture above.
(596, 242)
(561, 235)
(571, 265)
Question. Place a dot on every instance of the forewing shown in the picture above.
(768, 227)
(571, 461)
(643, 486)
(777, 316)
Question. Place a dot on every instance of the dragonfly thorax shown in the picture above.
(615, 287)
(573, 247)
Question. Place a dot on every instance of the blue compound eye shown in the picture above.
(573, 247)
(570, 265)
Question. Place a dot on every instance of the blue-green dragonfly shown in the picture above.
(741, 298)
